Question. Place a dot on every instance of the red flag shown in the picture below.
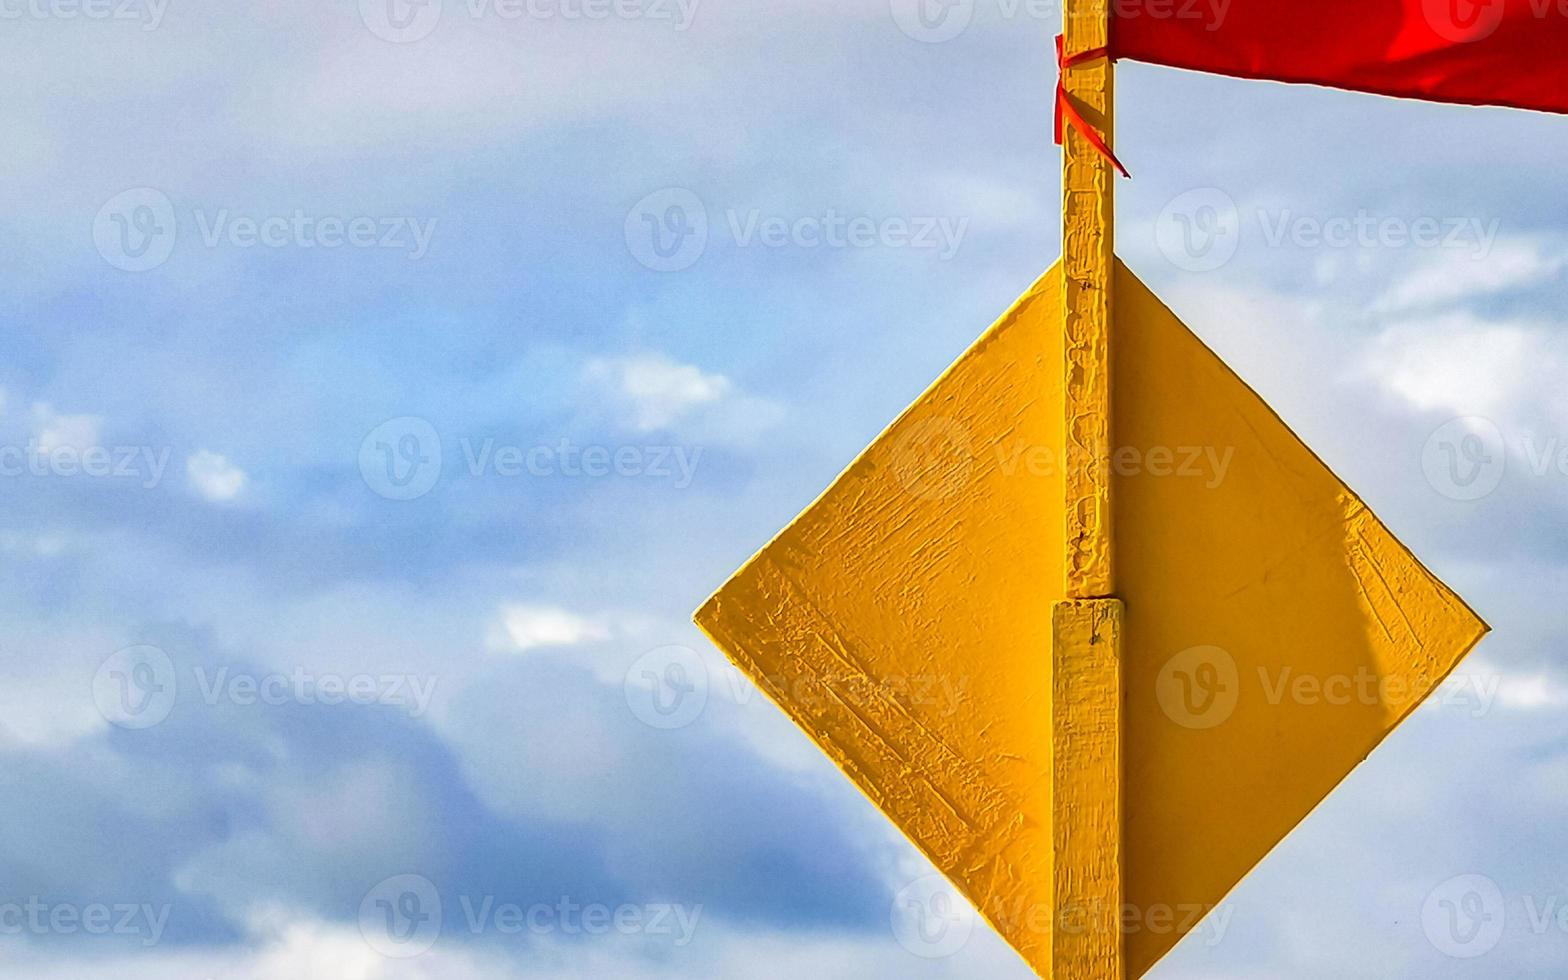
(1476, 52)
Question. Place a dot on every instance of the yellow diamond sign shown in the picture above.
(1271, 631)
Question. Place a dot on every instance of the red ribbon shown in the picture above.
(1067, 112)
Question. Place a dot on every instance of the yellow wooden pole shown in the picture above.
(1088, 259)
(1086, 674)
(1086, 939)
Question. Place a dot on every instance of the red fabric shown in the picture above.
(1064, 103)
(1476, 52)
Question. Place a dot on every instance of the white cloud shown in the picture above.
(531, 627)
(659, 391)
(214, 477)
(1459, 363)
(54, 431)
(49, 669)
(1532, 692)
(295, 946)
(1454, 275)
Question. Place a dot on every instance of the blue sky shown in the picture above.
(365, 460)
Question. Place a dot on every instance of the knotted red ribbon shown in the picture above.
(1067, 112)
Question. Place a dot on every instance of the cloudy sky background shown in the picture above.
(250, 398)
